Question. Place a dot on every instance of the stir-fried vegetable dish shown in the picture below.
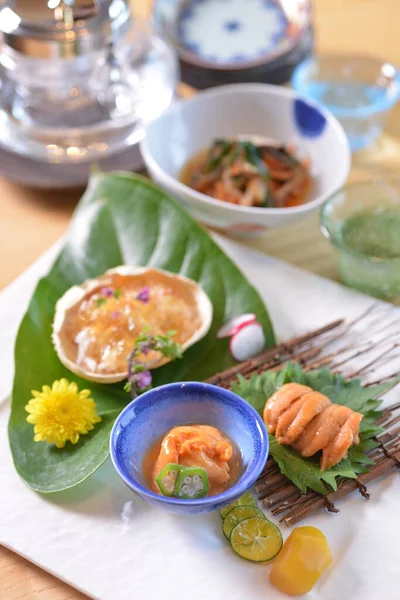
(243, 173)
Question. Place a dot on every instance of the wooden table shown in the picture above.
(30, 221)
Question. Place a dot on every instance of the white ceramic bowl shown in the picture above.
(266, 111)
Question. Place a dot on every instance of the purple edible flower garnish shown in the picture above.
(142, 379)
(115, 314)
(107, 292)
(139, 377)
(144, 295)
(144, 347)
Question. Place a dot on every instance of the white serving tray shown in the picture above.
(103, 540)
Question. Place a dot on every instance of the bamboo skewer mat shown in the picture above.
(368, 348)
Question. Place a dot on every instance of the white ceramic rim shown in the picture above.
(181, 188)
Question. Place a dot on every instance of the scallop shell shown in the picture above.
(75, 294)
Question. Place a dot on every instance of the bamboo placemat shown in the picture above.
(366, 348)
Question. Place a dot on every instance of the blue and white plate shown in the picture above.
(232, 34)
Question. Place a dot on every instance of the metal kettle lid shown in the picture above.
(62, 29)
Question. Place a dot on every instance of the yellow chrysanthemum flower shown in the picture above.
(61, 413)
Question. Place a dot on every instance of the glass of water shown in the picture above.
(358, 90)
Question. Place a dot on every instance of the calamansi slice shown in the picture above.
(247, 499)
(256, 539)
(237, 514)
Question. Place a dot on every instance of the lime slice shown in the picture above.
(237, 514)
(255, 539)
(247, 499)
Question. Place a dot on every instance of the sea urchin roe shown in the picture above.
(99, 332)
(309, 422)
(194, 447)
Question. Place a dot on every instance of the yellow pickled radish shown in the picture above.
(305, 556)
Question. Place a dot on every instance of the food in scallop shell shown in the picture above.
(97, 323)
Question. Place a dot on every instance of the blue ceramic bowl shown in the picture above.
(157, 411)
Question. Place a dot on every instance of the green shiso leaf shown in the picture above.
(121, 219)
(306, 472)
